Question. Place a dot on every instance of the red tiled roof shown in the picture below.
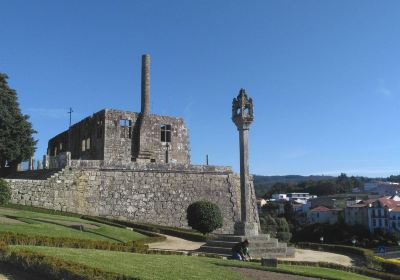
(390, 203)
(321, 209)
(396, 209)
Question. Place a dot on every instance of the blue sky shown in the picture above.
(324, 75)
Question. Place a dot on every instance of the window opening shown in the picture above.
(88, 144)
(126, 128)
(166, 133)
(83, 145)
(99, 129)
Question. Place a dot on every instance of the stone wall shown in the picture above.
(151, 193)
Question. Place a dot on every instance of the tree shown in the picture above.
(16, 140)
(204, 216)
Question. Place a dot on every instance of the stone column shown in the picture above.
(242, 116)
(46, 162)
(31, 165)
(145, 105)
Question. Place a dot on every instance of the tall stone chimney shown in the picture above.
(145, 108)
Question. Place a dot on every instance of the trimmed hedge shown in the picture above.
(173, 231)
(153, 237)
(358, 270)
(368, 256)
(204, 216)
(51, 268)
(22, 239)
(5, 192)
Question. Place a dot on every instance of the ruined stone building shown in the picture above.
(129, 166)
(121, 136)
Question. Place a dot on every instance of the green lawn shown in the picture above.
(174, 267)
(34, 223)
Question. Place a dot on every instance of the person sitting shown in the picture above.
(241, 251)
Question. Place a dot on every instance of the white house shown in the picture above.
(383, 214)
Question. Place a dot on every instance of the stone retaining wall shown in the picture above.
(151, 193)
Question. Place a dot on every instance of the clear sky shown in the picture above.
(324, 75)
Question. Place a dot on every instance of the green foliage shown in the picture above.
(204, 216)
(48, 267)
(5, 192)
(187, 234)
(16, 141)
(41, 210)
(341, 184)
(35, 223)
(37, 240)
(370, 260)
(354, 269)
(344, 234)
(274, 225)
(146, 266)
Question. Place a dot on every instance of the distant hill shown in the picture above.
(263, 183)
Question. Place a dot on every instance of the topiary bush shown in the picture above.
(5, 192)
(204, 216)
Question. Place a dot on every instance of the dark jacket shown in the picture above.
(241, 249)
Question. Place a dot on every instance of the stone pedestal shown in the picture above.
(247, 229)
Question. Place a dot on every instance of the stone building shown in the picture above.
(129, 166)
(119, 136)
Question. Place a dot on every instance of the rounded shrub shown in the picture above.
(204, 216)
(5, 192)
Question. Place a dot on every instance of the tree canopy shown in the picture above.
(16, 133)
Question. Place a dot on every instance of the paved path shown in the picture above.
(176, 244)
(179, 244)
(318, 256)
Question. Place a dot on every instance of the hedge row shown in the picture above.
(358, 270)
(153, 237)
(371, 261)
(22, 239)
(51, 268)
(41, 210)
(177, 232)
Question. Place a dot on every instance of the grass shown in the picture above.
(177, 267)
(43, 224)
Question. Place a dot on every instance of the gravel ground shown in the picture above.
(176, 244)
(255, 274)
(317, 256)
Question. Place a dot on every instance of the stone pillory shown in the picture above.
(121, 136)
(242, 117)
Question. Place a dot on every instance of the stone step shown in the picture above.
(239, 238)
(216, 250)
(290, 251)
(223, 244)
